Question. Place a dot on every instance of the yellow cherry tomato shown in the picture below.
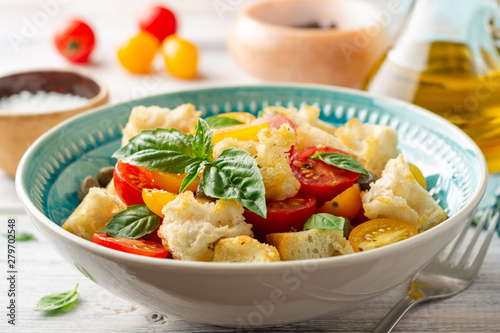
(181, 57)
(347, 204)
(172, 182)
(157, 199)
(419, 177)
(244, 117)
(380, 232)
(241, 132)
(137, 54)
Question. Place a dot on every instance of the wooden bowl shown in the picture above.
(272, 41)
(18, 130)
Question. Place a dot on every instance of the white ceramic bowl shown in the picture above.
(251, 295)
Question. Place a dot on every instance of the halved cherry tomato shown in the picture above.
(241, 132)
(158, 21)
(157, 199)
(347, 204)
(317, 178)
(74, 40)
(153, 236)
(129, 180)
(275, 120)
(380, 232)
(283, 216)
(172, 182)
(244, 117)
(136, 246)
(419, 177)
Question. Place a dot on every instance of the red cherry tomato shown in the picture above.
(283, 216)
(75, 40)
(275, 120)
(317, 178)
(159, 21)
(129, 180)
(136, 246)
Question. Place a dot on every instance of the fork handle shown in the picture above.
(392, 318)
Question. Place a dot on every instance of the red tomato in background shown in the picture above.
(158, 21)
(317, 178)
(283, 216)
(135, 246)
(75, 40)
(129, 180)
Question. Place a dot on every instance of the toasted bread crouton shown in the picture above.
(310, 244)
(309, 136)
(373, 145)
(244, 249)
(271, 154)
(397, 195)
(183, 118)
(191, 229)
(94, 213)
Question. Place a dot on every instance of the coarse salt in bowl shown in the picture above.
(33, 102)
(247, 295)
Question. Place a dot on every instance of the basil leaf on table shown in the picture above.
(342, 161)
(57, 301)
(236, 175)
(221, 122)
(133, 222)
(167, 150)
(22, 236)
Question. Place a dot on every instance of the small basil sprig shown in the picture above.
(221, 121)
(133, 222)
(22, 236)
(57, 301)
(342, 161)
(265, 112)
(326, 221)
(232, 175)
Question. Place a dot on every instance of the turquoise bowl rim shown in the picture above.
(465, 212)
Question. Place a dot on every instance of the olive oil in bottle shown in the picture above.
(444, 72)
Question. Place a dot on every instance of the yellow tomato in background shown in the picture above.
(137, 54)
(181, 57)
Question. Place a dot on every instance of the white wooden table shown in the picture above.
(42, 271)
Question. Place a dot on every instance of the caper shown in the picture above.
(364, 181)
(104, 175)
(86, 185)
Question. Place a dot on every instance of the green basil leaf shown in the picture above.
(167, 150)
(236, 175)
(325, 221)
(346, 162)
(221, 121)
(264, 112)
(133, 222)
(203, 141)
(192, 170)
(57, 301)
(22, 236)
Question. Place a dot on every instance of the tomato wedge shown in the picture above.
(129, 180)
(135, 246)
(283, 216)
(380, 232)
(275, 120)
(317, 178)
(347, 204)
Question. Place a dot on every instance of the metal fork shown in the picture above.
(446, 277)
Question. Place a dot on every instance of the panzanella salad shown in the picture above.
(238, 188)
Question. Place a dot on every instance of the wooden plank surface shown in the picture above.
(42, 271)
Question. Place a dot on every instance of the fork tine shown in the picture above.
(460, 238)
(479, 228)
(482, 252)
